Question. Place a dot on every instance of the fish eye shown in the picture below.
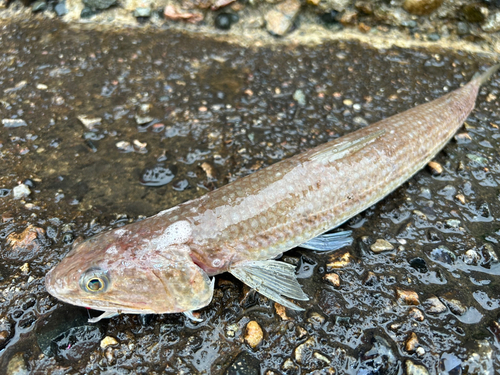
(94, 280)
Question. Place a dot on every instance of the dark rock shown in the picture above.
(379, 359)
(87, 13)
(330, 17)
(419, 264)
(100, 4)
(224, 20)
(244, 364)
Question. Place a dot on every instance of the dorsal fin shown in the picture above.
(341, 150)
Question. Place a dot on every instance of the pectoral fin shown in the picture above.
(329, 241)
(271, 278)
(104, 315)
(331, 153)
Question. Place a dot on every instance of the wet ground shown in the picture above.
(179, 116)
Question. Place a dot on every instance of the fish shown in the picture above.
(166, 263)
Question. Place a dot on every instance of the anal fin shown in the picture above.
(329, 241)
(271, 278)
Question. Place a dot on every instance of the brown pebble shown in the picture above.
(416, 314)
(435, 168)
(254, 334)
(333, 279)
(411, 342)
(421, 7)
(208, 169)
(281, 311)
(340, 260)
(108, 341)
(300, 350)
(349, 18)
(407, 297)
(460, 198)
(364, 28)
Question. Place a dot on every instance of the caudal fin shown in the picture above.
(481, 78)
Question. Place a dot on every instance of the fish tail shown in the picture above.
(481, 78)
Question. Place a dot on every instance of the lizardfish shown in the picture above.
(163, 264)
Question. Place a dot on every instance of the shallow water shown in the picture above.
(192, 115)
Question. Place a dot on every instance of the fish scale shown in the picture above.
(162, 264)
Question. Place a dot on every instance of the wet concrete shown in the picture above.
(217, 112)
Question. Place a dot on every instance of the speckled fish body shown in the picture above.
(258, 217)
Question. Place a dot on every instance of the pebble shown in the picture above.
(142, 12)
(413, 369)
(462, 138)
(462, 28)
(471, 257)
(421, 7)
(492, 24)
(340, 260)
(443, 255)
(61, 9)
(13, 123)
(173, 13)
(281, 311)
(38, 6)
(460, 198)
(300, 98)
(407, 297)
(17, 365)
(300, 350)
(411, 342)
(108, 341)
(381, 245)
(21, 191)
(349, 18)
(124, 146)
(100, 4)
(41, 86)
(253, 334)
(316, 319)
(455, 306)
(333, 279)
(89, 122)
(416, 314)
(279, 20)
(224, 20)
(435, 168)
(433, 305)
(243, 364)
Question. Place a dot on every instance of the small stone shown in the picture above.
(492, 24)
(231, 330)
(61, 9)
(124, 146)
(13, 123)
(300, 98)
(108, 341)
(321, 357)
(87, 12)
(174, 13)
(475, 12)
(364, 28)
(453, 223)
(38, 6)
(289, 365)
(455, 306)
(89, 122)
(25, 268)
(349, 18)
(434, 37)
(433, 305)
(281, 311)
(420, 351)
(41, 86)
(142, 12)
(407, 297)
(463, 138)
(365, 7)
(411, 342)
(141, 120)
(17, 365)
(209, 170)
(435, 168)
(348, 102)
(416, 314)
(21, 191)
(381, 245)
(254, 334)
(300, 350)
(462, 28)
(333, 279)
(340, 260)
(316, 319)
(224, 20)
(421, 7)
(413, 369)
(279, 20)
(100, 4)
(471, 257)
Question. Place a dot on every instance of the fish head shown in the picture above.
(120, 273)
